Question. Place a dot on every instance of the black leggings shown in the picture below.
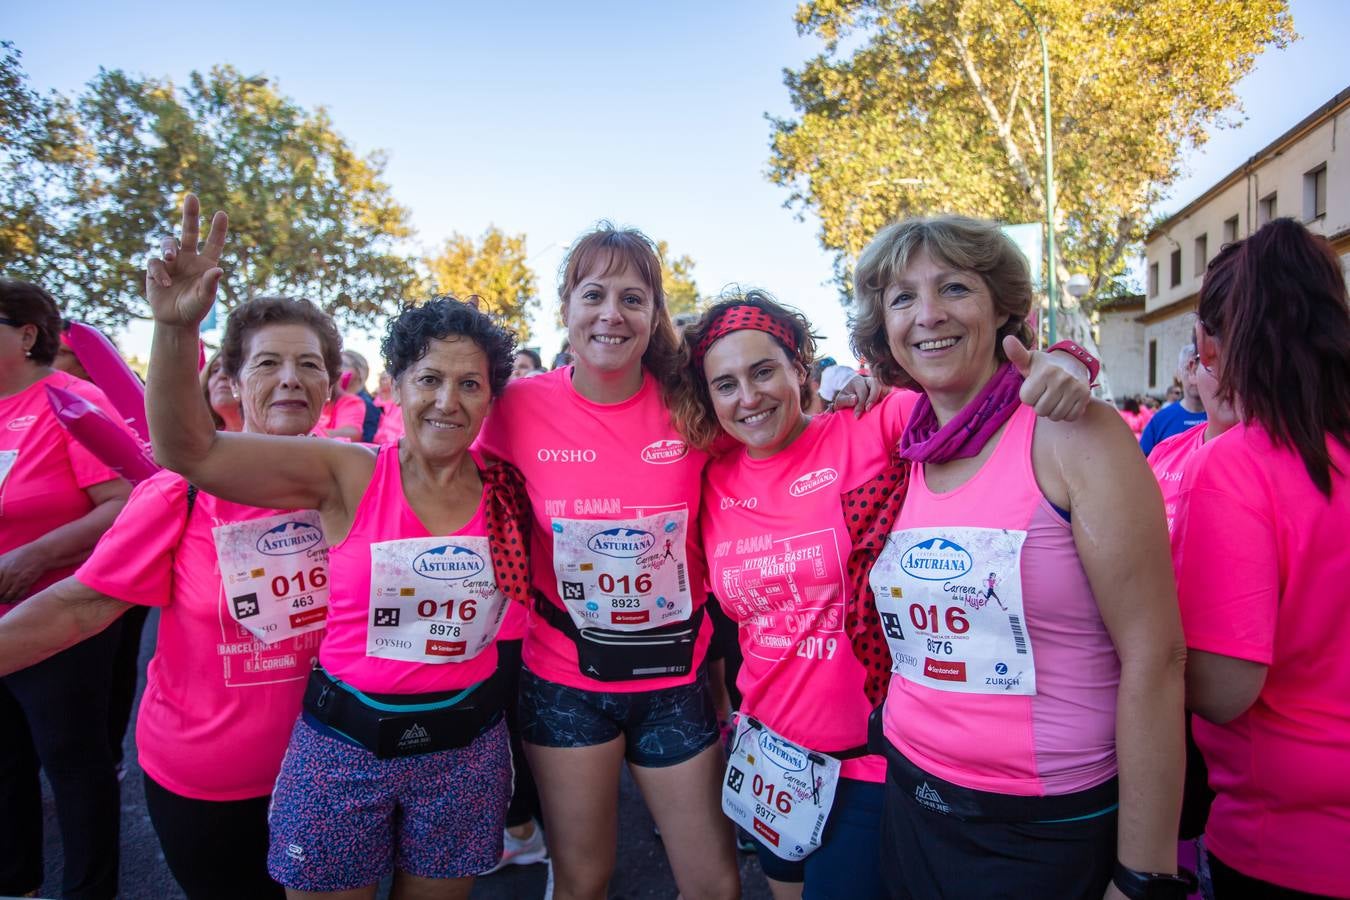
(215, 850)
(54, 715)
(525, 796)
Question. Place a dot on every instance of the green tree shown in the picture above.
(42, 158)
(308, 215)
(493, 268)
(925, 106)
(677, 278)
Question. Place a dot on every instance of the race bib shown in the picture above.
(7, 460)
(950, 601)
(779, 792)
(432, 600)
(623, 574)
(275, 573)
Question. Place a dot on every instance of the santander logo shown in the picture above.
(813, 481)
(664, 452)
(21, 423)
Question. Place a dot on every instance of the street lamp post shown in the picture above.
(1049, 172)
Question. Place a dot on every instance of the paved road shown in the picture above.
(642, 872)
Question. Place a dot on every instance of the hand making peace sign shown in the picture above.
(181, 285)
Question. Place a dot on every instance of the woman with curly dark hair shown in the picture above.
(399, 761)
(1262, 569)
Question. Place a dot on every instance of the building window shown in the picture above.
(1176, 268)
(1153, 363)
(1230, 228)
(1201, 253)
(1265, 209)
(1315, 193)
(1153, 280)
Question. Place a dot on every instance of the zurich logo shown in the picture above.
(621, 543)
(448, 563)
(1001, 668)
(289, 538)
(783, 753)
(936, 559)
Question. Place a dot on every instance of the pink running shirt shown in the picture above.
(584, 460)
(43, 469)
(1263, 574)
(384, 515)
(347, 411)
(776, 543)
(1169, 460)
(219, 704)
(1058, 740)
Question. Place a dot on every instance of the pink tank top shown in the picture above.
(1006, 677)
(384, 515)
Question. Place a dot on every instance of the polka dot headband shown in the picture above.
(741, 318)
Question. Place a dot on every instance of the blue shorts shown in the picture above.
(661, 728)
(341, 818)
(847, 864)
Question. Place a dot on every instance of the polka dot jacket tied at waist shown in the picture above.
(870, 511)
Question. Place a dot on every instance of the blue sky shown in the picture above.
(544, 117)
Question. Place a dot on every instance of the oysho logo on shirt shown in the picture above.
(448, 563)
(289, 538)
(936, 559)
(665, 452)
(565, 455)
(813, 481)
(21, 423)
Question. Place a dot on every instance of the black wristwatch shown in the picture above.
(1154, 885)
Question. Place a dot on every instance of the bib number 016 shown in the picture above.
(624, 584)
(317, 578)
(770, 796)
(427, 609)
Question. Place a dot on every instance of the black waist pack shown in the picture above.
(606, 655)
(414, 725)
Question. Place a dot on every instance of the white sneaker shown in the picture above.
(522, 851)
(548, 885)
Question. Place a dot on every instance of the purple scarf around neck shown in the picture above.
(925, 441)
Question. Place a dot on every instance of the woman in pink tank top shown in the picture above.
(782, 514)
(1262, 567)
(400, 761)
(1026, 597)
